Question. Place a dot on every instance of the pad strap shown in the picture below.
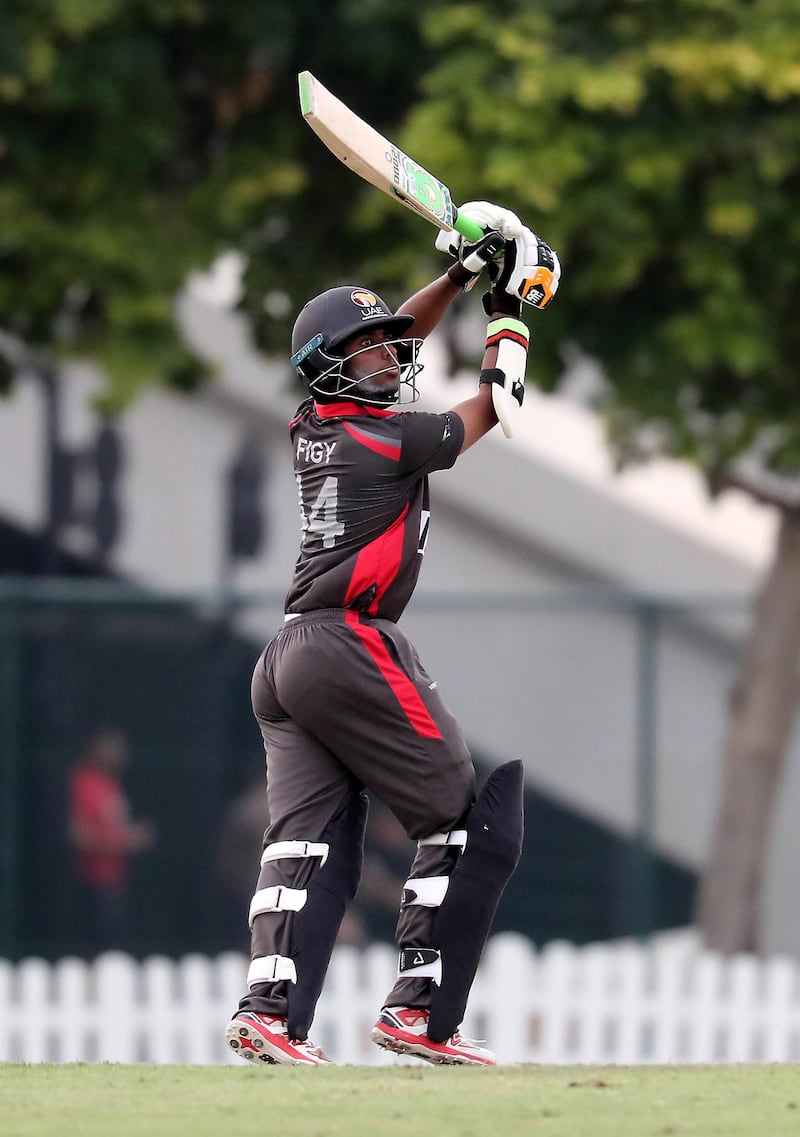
(429, 891)
(271, 968)
(454, 837)
(420, 963)
(280, 849)
(277, 899)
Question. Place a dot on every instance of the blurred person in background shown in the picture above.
(387, 854)
(372, 915)
(240, 839)
(103, 838)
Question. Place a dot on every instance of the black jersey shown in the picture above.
(362, 479)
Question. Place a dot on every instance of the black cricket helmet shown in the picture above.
(330, 319)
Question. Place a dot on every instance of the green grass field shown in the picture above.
(578, 1101)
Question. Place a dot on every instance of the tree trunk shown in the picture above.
(763, 704)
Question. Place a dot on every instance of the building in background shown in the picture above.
(543, 573)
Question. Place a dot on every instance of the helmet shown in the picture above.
(331, 318)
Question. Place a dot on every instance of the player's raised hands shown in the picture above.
(530, 270)
(473, 259)
(486, 214)
(496, 221)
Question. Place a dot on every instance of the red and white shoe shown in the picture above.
(264, 1038)
(404, 1030)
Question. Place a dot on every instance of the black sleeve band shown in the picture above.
(500, 303)
(460, 275)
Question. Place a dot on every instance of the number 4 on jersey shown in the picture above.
(322, 519)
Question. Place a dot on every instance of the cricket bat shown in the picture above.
(378, 161)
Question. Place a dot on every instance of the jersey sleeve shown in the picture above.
(429, 442)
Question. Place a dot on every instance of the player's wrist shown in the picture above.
(460, 276)
(498, 303)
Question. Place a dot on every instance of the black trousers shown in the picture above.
(344, 703)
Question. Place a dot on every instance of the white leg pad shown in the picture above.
(420, 963)
(280, 849)
(271, 968)
(454, 837)
(277, 899)
(429, 891)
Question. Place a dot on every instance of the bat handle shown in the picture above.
(467, 227)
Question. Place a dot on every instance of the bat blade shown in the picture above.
(377, 160)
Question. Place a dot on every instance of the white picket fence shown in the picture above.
(622, 1003)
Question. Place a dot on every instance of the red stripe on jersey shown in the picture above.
(346, 409)
(378, 564)
(387, 449)
(401, 686)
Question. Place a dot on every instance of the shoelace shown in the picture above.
(317, 1051)
(414, 1017)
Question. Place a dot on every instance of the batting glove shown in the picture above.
(492, 219)
(485, 214)
(530, 271)
(473, 260)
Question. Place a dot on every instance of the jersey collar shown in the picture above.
(347, 410)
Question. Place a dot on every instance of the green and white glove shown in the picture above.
(488, 216)
(473, 257)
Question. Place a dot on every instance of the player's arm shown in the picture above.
(478, 414)
(502, 369)
(530, 273)
(429, 305)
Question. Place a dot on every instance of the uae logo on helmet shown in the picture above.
(369, 304)
(363, 298)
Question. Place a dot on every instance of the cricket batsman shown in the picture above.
(341, 697)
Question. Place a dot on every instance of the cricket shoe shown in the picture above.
(404, 1030)
(264, 1038)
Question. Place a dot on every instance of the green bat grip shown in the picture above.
(467, 227)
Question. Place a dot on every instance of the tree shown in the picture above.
(140, 138)
(656, 146)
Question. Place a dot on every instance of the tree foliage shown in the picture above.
(655, 143)
(140, 138)
(657, 146)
